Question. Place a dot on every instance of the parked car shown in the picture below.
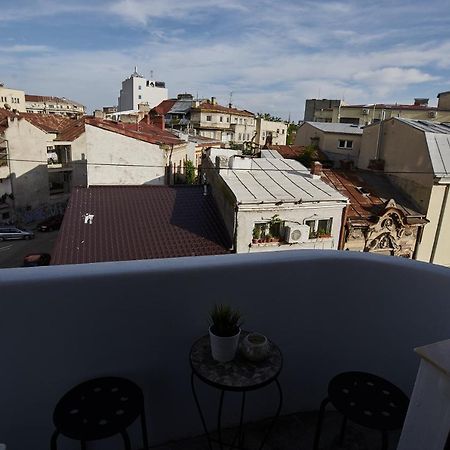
(36, 259)
(8, 233)
(50, 224)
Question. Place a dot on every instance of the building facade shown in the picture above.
(12, 99)
(228, 124)
(415, 155)
(339, 142)
(136, 89)
(42, 104)
(269, 132)
(272, 204)
(337, 111)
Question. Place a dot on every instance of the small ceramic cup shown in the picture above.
(255, 347)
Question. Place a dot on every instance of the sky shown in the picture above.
(270, 55)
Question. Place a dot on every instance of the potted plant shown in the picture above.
(256, 234)
(224, 332)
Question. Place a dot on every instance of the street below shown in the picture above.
(13, 252)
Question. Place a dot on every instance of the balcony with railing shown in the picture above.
(328, 311)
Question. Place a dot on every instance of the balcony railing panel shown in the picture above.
(328, 311)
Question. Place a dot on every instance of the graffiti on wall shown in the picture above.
(38, 214)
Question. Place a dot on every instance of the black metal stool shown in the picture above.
(367, 400)
(98, 409)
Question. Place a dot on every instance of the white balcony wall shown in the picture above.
(328, 311)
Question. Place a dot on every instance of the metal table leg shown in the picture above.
(277, 414)
(194, 393)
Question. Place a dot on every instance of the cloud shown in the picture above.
(271, 57)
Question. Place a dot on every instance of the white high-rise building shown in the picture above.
(137, 89)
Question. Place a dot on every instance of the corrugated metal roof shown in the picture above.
(271, 180)
(341, 128)
(139, 222)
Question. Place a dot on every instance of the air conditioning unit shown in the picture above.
(297, 234)
(432, 114)
(365, 111)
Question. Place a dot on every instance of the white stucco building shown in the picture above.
(271, 203)
(270, 131)
(12, 98)
(136, 89)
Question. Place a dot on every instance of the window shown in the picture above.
(140, 87)
(3, 157)
(343, 143)
(239, 136)
(228, 120)
(269, 231)
(282, 131)
(240, 120)
(221, 118)
(208, 118)
(319, 228)
(139, 97)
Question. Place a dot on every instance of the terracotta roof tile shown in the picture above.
(139, 222)
(72, 131)
(205, 106)
(142, 131)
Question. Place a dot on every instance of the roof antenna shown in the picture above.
(230, 104)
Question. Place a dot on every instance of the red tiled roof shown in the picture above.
(46, 98)
(164, 107)
(139, 222)
(50, 123)
(142, 131)
(368, 202)
(205, 106)
(72, 131)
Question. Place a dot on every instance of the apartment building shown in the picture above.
(272, 204)
(338, 141)
(12, 98)
(337, 111)
(42, 157)
(42, 104)
(270, 132)
(415, 155)
(137, 89)
(228, 124)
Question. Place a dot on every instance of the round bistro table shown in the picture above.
(239, 375)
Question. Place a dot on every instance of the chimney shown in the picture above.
(213, 101)
(316, 169)
(159, 122)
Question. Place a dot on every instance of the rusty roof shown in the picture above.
(368, 193)
(139, 222)
(142, 131)
(50, 123)
(207, 106)
(164, 107)
(47, 98)
(72, 131)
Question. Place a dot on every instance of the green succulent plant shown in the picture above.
(225, 321)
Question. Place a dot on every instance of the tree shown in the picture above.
(189, 171)
(291, 133)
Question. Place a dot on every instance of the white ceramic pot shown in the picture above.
(224, 349)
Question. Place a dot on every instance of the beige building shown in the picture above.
(270, 132)
(416, 157)
(337, 111)
(12, 99)
(53, 105)
(338, 141)
(227, 124)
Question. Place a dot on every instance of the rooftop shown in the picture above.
(368, 193)
(139, 222)
(270, 180)
(340, 128)
(214, 107)
(46, 99)
(164, 107)
(295, 151)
